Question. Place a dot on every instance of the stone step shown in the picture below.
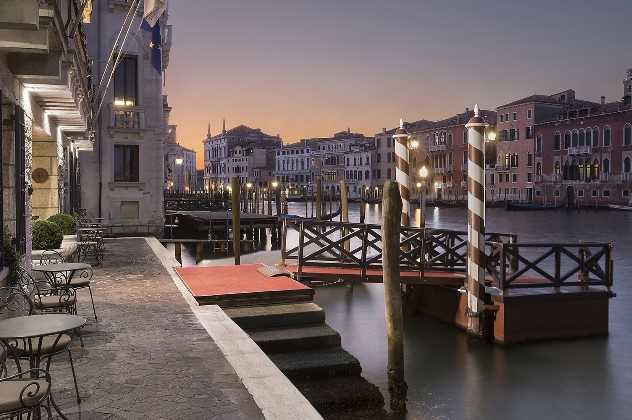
(323, 363)
(277, 316)
(343, 395)
(281, 340)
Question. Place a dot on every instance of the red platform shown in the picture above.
(241, 285)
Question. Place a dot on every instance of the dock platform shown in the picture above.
(241, 285)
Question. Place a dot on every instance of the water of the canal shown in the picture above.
(449, 378)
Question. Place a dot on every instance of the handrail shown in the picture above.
(556, 265)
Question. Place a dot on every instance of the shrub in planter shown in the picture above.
(65, 221)
(46, 235)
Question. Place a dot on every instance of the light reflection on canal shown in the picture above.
(452, 379)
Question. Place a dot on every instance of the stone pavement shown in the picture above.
(147, 357)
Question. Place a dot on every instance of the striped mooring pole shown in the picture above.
(400, 138)
(475, 280)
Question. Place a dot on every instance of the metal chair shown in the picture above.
(23, 393)
(90, 244)
(76, 283)
(15, 302)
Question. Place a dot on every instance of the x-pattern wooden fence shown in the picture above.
(551, 265)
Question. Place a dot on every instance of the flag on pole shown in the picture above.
(155, 45)
(153, 10)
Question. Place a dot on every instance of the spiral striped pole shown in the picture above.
(475, 281)
(400, 139)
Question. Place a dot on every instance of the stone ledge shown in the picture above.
(271, 390)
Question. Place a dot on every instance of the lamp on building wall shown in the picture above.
(491, 134)
(423, 172)
(275, 184)
(413, 144)
(179, 161)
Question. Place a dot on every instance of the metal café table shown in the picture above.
(60, 274)
(31, 330)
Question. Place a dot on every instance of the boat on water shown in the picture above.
(532, 206)
(620, 207)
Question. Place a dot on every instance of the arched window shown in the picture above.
(582, 138)
(574, 139)
(595, 138)
(557, 140)
(450, 139)
(606, 166)
(606, 138)
(567, 139)
(538, 168)
(557, 167)
(627, 135)
(588, 137)
(627, 165)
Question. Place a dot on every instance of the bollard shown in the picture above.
(475, 280)
(392, 213)
(178, 252)
(234, 182)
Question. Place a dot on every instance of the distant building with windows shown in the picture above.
(300, 164)
(126, 172)
(584, 157)
(241, 151)
(179, 165)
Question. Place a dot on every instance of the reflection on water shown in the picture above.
(453, 379)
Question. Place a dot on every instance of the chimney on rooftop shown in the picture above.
(603, 100)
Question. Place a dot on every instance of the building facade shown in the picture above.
(126, 170)
(179, 165)
(241, 151)
(584, 158)
(45, 113)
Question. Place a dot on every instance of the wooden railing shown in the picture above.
(358, 245)
(519, 266)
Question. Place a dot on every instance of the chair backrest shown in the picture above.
(13, 302)
(50, 256)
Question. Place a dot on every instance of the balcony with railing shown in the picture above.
(127, 118)
(580, 150)
(438, 147)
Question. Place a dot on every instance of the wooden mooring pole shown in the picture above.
(344, 210)
(234, 182)
(392, 214)
(475, 280)
(319, 199)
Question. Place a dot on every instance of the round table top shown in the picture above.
(39, 325)
(61, 267)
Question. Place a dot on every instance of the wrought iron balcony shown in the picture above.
(580, 150)
(127, 118)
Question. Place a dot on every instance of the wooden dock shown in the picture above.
(241, 285)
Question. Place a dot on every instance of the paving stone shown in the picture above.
(147, 357)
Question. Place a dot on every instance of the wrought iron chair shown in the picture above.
(90, 244)
(20, 395)
(82, 281)
(14, 301)
(44, 296)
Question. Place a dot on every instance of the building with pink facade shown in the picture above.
(585, 158)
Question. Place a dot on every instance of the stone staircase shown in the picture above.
(307, 350)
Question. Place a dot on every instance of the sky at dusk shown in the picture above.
(309, 68)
